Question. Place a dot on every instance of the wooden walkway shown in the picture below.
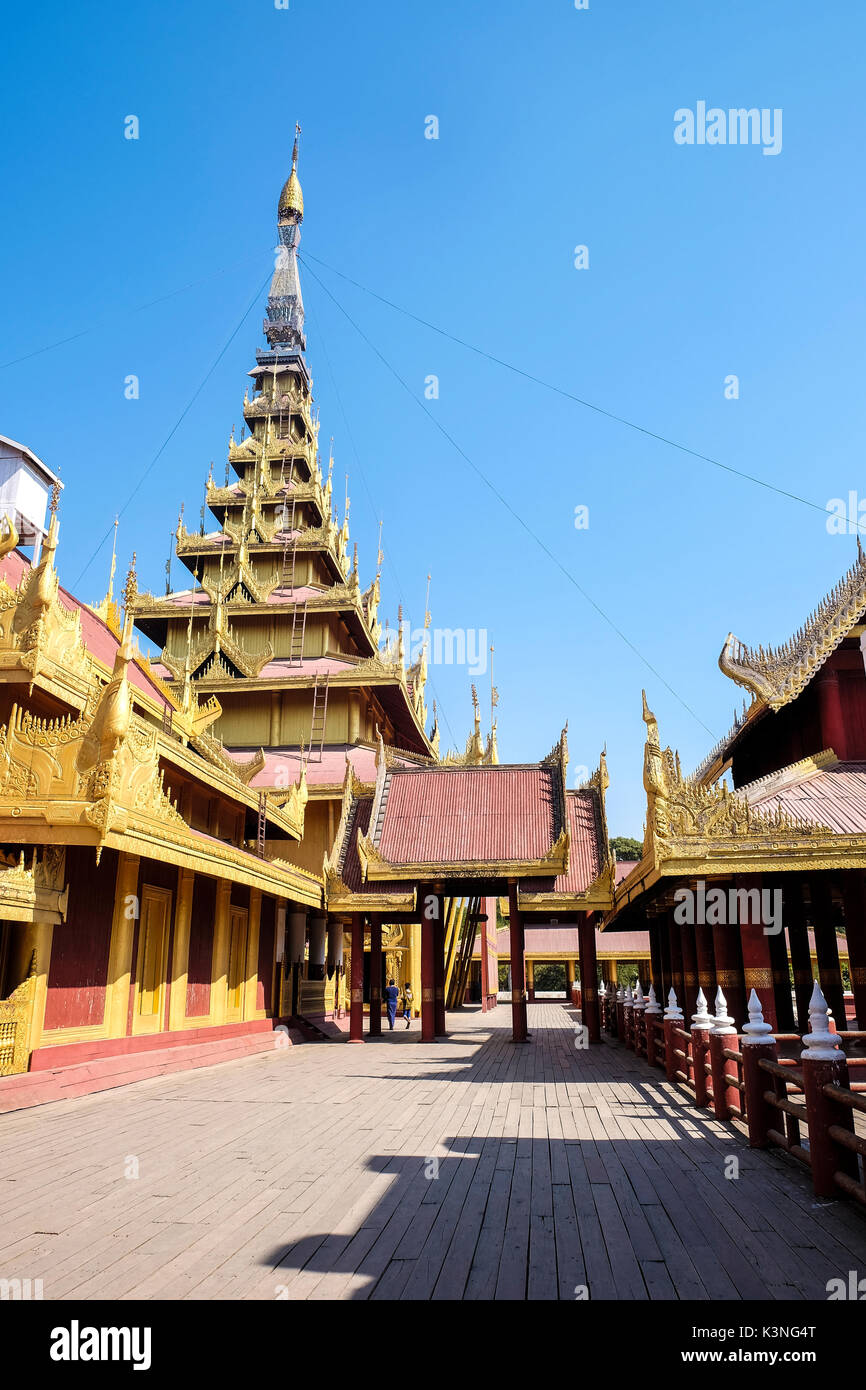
(398, 1170)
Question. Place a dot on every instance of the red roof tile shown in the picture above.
(470, 814)
(834, 796)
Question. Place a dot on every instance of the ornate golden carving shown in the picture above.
(776, 675)
(16, 1014)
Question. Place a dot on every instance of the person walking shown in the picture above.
(392, 994)
(407, 1004)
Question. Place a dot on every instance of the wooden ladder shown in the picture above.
(299, 627)
(263, 816)
(287, 578)
(320, 710)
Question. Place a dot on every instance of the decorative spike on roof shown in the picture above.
(777, 675)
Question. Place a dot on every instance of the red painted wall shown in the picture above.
(78, 972)
(200, 947)
(266, 953)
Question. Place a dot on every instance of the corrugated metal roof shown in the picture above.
(834, 796)
(469, 813)
(584, 858)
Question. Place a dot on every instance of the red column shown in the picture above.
(854, 897)
(833, 733)
(375, 1029)
(428, 966)
(589, 977)
(356, 1000)
(826, 948)
(690, 970)
(755, 945)
(518, 969)
(798, 938)
(655, 957)
(779, 957)
(729, 968)
(676, 948)
(439, 965)
(706, 963)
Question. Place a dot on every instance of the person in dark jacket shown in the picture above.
(392, 994)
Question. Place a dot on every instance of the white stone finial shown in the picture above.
(629, 999)
(756, 1030)
(620, 994)
(819, 1044)
(673, 1012)
(640, 1002)
(703, 1018)
(653, 1005)
(723, 1021)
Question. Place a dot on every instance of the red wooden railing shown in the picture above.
(804, 1102)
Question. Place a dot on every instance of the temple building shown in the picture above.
(752, 885)
(236, 841)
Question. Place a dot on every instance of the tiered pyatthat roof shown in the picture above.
(276, 607)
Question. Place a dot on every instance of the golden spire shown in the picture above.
(130, 588)
(427, 616)
(291, 204)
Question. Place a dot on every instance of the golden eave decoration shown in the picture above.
(777, 675)
(692, 828)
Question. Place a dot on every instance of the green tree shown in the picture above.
(626, 848)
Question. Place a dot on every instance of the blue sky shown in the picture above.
(555, 130)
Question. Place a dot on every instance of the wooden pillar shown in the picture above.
(690, 971)
(833, 732)
(251, 971)
(414, 932)
(530, 981)
(854, 898)
(519, 1032)
(356, 999)
(798, 942)
(221, 937)
(179, 966)
(706, 962)
(661, 929)
(826, 947)
(428, 966)
(375, 1029)
(755, 946)
(569, 978)
(439, 966)
(126, 913)
(676, 949)
(729, 968)
(589, 978)
(655, 958)
(785, 1022)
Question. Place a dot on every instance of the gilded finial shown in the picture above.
(55, 498)
(291, 204)
(130, 588)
